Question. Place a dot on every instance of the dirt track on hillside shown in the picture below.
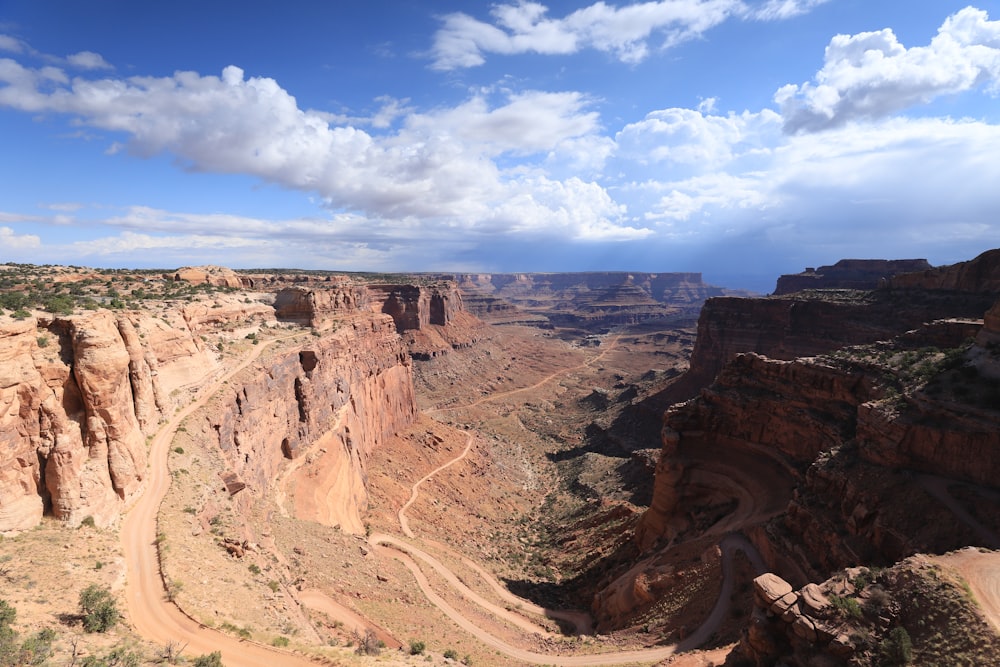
(982, 570)
(150, 613)
(159, 620)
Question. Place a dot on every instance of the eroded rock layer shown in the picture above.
(78, 396)
(584, 299)
(336, 399)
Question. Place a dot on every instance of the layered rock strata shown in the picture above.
(431, 318)
(789, 327)
(78, 396)
(584, 299)
(863, 274)
(336, 400)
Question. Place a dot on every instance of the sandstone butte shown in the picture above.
(816, 453)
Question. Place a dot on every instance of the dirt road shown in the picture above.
(982, 570)
(150, 613)
(159, 620)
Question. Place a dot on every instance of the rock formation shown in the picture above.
(218, 276)
(978, 275)
(917, 612)
(431, 318)
(337, 398)
(590, 300)
(78, 395)
(862, 274)
(901, 394)
(789, 327)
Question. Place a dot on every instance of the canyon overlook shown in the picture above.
(635, 450)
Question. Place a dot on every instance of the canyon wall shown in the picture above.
(862, 274)
(80, 394)
(789, 327)
(856, 430)
(78, 397)
(595, 299)
(332, 402)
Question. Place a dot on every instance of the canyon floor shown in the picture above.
(504, 523)
(496, 490)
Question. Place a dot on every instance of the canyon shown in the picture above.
(454, 458)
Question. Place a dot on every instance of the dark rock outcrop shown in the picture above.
(863, 274)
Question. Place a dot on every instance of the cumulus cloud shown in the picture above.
(441, 167)
(629, 33)
(895, 182)
(624, 32)
(88, 60)
(872, 75)
(695, 138)
(11, 240)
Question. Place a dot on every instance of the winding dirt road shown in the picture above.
(150, 613)
(981, 569)
(159, 620)
(406, 552)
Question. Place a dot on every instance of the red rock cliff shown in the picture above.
(78, 396)
(338, 399)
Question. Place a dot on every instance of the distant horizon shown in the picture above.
(759, 285)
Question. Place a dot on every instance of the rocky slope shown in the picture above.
(78, 396)
(880, 413)
(918, 612)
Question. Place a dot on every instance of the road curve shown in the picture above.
(405, 552)
(730, 545)
(981, 569)
(159, 620)
(150, 613)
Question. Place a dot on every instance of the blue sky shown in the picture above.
(740, 138)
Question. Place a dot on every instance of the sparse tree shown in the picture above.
(100, 611)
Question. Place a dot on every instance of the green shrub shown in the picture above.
(280, 642)
(209, 660)
(417, 647)
(120, 656)
(896, 649)
(99, 609)
(848, 607)
(451, 654)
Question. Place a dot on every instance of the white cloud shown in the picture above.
(698, 140)
(625, 32)
(441, 167)
(11, 240)
(528, 123)
(11, 44)
(88, 60)
(779, 10)
(871, 75)
(913, 185)
(629, 33)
